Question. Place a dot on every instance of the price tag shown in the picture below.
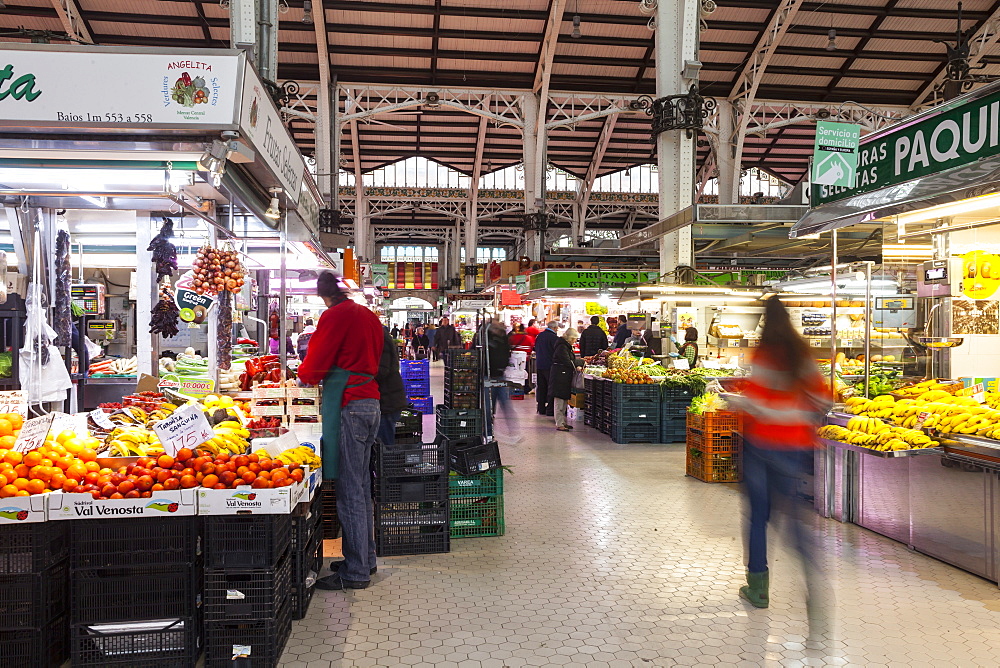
(921, 419)
(234, 595)
(711, 364)
(66, 422)
(101, 419)
(818, 343)
(187, 427)
(284, 442)
(33, 433)
(14, 401)
(682, 365)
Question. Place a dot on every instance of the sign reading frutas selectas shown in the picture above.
(186, 427)
(835, 155)
(95, 86)
(261, 123)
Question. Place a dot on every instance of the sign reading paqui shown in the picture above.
(956, 136)
(99, 87)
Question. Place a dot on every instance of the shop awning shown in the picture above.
(979, 178)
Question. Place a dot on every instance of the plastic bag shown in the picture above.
(44, 376)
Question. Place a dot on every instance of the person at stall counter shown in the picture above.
(783, 402)
(564, 364)
(521, 341)
(593, 339)
(532, 329)
(623, 332)
(447, 337)
(344, 354)
(689, 349)
(545, 345)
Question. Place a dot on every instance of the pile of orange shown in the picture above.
(63, 462)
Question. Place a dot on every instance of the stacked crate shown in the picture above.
(34, 603)
(452, 423)
(417, 383)
(673, 414)
(248, 585)
(463, 380)
(135, 592)
(714, 447)
(330, 522)
(409, 427)
(307, 552)
(635, 413)
(411, 499)
(476, 504)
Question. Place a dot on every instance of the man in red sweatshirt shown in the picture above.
(349, 339)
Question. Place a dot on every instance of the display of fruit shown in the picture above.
(131, 441)
(626, 361)
(231, 437)
(877, 435)
(948, 414)
(921, 389)
(303, 454)
(628, 376)
(216, 270)
(64, 461)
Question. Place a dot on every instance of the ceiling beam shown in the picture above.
(599, 151)
(982, 42)
(72, 21)
(546, 54)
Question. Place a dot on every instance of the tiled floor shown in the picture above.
(614, 558)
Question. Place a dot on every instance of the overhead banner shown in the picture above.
(69, 87)
(587, 280)
(835, 154)
(958, 133)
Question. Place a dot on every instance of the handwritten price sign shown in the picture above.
(185, 428)
(33, 433)
(14, 401)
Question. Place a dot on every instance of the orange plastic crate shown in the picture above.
(719, 422)
(714, 467)
(722, 444)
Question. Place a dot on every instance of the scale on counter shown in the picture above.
(99, 330)
(89, 297)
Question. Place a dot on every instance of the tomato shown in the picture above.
(157, 487)
(144, 483)
(171, 483)
(188, 481)
(108, 490)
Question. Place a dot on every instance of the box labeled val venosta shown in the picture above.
(246, 500)
(24, 509)
(175, 503)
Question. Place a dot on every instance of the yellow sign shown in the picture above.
(980, 274)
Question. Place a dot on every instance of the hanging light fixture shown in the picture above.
(831, 45)
(576, 26)
(274, 208)
(307, 7)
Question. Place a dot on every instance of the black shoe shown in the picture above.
(335, 583)
(335, 568)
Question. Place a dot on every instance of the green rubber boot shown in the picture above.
(756, 589)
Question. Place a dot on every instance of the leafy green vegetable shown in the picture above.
(6, 365)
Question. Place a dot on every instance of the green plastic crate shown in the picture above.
(489, 483)
(477, 517)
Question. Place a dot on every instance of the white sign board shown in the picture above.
(14, 401)
(186, 427)
(33, 433)
(474, 304)
(261, 124)
(77, 86)
(101, 419)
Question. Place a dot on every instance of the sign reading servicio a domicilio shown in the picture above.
(835, 155)
(82, 86)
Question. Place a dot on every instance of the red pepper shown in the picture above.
(274, 375)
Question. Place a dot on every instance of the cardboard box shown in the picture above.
(267, 411)
(302, 392)
(24, 509)
(301, 410)
(990, 384)
(268, 392)
(176, 503)
(246, 500)
(578, 400)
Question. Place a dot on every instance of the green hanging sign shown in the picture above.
(835, 154)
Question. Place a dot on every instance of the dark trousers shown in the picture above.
(542, 395)
(772, 478)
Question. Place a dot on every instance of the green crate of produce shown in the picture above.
(476, 517)
(489, 483)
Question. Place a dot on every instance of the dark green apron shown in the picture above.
(333, 395)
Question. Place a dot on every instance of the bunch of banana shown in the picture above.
(161, 413)
(300, 455)
(867, 425)
(921, 388)
(882, 438)
(230, 436)
(133, 441)
(129, 415)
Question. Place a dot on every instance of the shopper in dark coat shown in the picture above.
(564, 364)
(420, 344)
(622, 333)
(392, 395)
(544, 347)
(447, 337)
(593, 339)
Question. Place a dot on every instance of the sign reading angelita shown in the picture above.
(958, 135)
(21, 88)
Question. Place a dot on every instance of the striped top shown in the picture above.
(781, 410)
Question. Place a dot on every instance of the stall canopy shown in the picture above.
(946, 154)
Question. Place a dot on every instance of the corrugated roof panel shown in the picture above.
(946, 5)
(382, 41)
(789, 80)
(507, 25)
(905, 46)
(380, 61)
(615, 30)
(146, 30)
(896, 65)
(381, 19)
(473, 46)
(473, 66)
(822, 19)
(145, 7)
(298, 57)
(512, 5)
(748, 37)
(599, 51)
(889, 84)
(782, 60)
(923, 24)
(731, 57)
(758, 17)
(610, 70)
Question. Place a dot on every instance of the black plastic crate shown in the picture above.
(675, 409)
(624, 391)
(169, 643)
(676, 394)
(260, 642)
(305, 519)
(247, 594)
(670, 434)
(458, 423)
(457, 358)
(636, 432)
(330, 523)
(474, 457)
(425, 513)
(45, 647)
(409, 422)
(636, 411)
(405, 459)
(30, 548)
(412, 488)
(246, 541)
(35, 599)
(463, 380)
(462, 400)
(409, 440)
(417, 539)
(101, 596)
(305, 570)
(120, 543)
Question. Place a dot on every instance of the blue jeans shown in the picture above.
(387, 428)
(500, 393)
(772, 477)
(359, 422)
